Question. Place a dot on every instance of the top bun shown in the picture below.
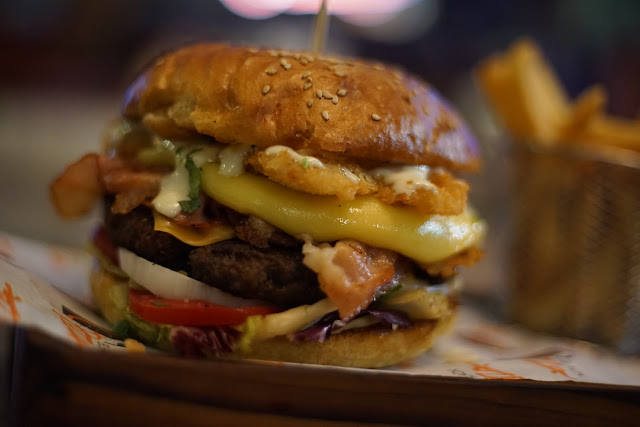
(266, 97)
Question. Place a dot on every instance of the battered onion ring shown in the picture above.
(448, 198)
(348, 180)
(333, 179)
(447, 267)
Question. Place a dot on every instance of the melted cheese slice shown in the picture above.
(191, 235)
(422, 238)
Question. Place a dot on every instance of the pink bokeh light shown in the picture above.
(371, 11)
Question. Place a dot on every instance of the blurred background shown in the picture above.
(67, 62)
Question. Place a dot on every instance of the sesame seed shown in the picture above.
(310, 103)
(375, 117)
(273, 53)
(297, 56)
(378, 67)
(271, 71)
(342, 92)
(327, 95)
(334, 100)
(286, 66)
(307, 85)
(325, 114)
(339, 74)
(306, 74)
(266, 89)
(319, 94)
(252, 50)
(304, 61)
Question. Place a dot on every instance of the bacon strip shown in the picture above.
(77, 190)
(123, 180)
(198, 218)
(350, 273)
(131, 185)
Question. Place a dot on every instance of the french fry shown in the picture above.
(588, 106)
(612, 131)
(545, 101)
(527, 94)
(497, 79)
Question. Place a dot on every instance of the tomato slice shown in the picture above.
(104, 244)
(189, 312)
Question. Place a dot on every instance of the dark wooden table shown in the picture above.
(47, 382)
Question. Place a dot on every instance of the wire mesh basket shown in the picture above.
(575, 255)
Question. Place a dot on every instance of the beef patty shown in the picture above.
(275, 274)
(265, 271)
(134, 231)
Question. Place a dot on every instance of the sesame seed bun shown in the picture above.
(349, 107)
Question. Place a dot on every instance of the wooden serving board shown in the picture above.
(47, 382)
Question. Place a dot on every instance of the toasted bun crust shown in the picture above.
(365, 348)
(249, 96)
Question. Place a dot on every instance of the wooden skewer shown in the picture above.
(320, 28)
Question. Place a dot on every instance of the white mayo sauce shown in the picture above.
(175, 186)
(305, 161)
(405, 179)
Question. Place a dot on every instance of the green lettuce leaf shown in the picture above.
(193, 203)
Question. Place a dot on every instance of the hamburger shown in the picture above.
(281, 206)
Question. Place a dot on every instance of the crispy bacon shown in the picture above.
(131, 184)
(127, 201)
(79, 188)
(350, 273)
(120, 176)
(198, 218)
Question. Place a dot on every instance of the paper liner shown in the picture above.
(476, 348)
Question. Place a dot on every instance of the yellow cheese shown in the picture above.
(191, 235)
(325, 218)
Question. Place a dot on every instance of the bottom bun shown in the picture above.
(365, 348)
(110, 293)
(371, 347)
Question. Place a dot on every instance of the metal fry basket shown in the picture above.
(575, 255)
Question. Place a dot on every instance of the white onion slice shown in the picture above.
(167, 283)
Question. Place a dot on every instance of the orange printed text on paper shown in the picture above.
(487, 372)
(8, 302)
(80, 335)
(552, 365)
